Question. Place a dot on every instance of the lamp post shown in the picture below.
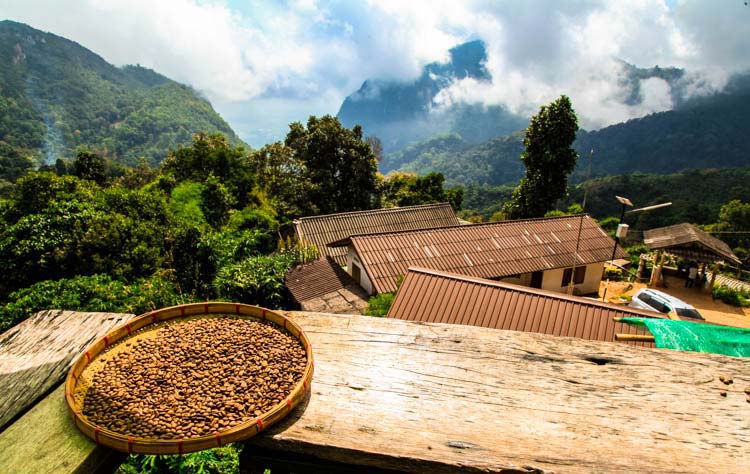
(622, 229)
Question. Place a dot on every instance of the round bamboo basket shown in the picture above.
(74, 383)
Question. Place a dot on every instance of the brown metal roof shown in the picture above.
(322, 230)
(490, 250)
(316, 279)
(689, 241)
(441, 297)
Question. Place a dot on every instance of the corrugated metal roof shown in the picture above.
(490, 250)
(322, 230)
(685, 238)
(316, 279)
(441, 297)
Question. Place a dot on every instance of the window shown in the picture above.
(356, 273)
(579, 277)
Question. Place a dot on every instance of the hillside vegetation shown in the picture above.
(706, 132)
(56, 96)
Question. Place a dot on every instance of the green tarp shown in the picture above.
(697, 337)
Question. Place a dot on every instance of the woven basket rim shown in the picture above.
(238, 432)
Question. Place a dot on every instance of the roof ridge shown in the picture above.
(468, 226)
(528, 290)
(375, 211)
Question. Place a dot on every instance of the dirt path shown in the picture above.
(715, 311)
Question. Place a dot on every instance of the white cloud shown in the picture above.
(315, 52)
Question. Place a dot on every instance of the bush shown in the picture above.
(218, 460)
(89, 293)
(730, 296)
(255, 280)
(612, 273)
(379, 305)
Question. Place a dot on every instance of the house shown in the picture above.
(541, 253)
(442, 297)
(324, 286)
(321, 230)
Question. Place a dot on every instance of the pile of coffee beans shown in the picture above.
(194, 378)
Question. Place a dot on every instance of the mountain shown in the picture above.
(56, 95)
(701, 132)
(400, 113)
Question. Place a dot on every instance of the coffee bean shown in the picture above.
(191, 378)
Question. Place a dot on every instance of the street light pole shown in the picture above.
(625, 202)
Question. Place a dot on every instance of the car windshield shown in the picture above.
(688, 313)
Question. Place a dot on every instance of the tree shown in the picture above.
(408, 189)
(216, 201)
(340, 165)
(212, 155)
(735, 217)
(548, 158)
(282, 176)
(90, 166)
(377, 147)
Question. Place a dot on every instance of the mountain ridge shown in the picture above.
(56, 96)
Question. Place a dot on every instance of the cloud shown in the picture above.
(250, 53)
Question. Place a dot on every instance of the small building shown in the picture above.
(323, 286)
(545, 253)
(691, 243)
(442, 297)
(322, 230)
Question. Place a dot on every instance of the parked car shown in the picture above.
(661, 302)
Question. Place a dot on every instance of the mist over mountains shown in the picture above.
(479, 144)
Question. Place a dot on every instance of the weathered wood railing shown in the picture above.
(396, 395)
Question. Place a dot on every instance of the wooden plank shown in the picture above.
(36, 354)
(45, 441)
(422, 397)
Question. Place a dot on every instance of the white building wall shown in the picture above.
(352, 259)
(552, 280)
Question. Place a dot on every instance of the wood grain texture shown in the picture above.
(36, 354)
(45, 441)
(423, 397)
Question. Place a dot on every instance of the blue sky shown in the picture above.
(265, 64)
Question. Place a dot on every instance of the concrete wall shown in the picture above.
(352, 259)
(524, 280)
(552, 280)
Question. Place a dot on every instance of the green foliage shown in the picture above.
(340, 165)
(731, 296)
(612, 273)
(734, 222)
(407, 189)
(260, 279)
(255, 280)
(57, 96)
(491, 163)
(379, 304)
(282, 175)
(696, 196)
(185, 203)
(88, 165)
(216, 201)
(223, 460)
(253, 218)
(212, 155)
(13, 163)
(89, 293)
(548, 158)
(59, 227)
